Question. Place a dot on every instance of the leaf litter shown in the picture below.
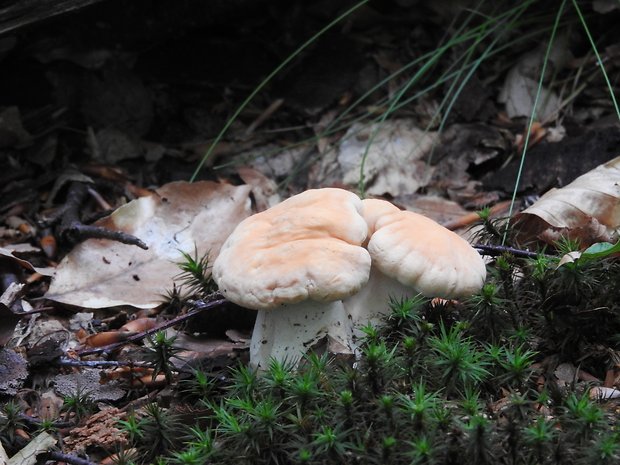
(587, 209)
(178, 217)
(121, 108)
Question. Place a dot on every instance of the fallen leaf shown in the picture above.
(588, 209)
(41, 443)
(10, 250)
(603, 393)
(11, 294)
(105, 338)
(605, 6)
(438, 208)
(521, 84)
(88, 381)
(111, 145)
(48, 405)
(12, 133)
(13, 372)
(519, 92)
(395, 162)
(273, 161)
(566, 373)
(177, 217)
(264, 189)
(139, 325)
(4, 458)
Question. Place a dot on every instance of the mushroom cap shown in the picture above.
(372, 210)
(307, 247)
(420, 253)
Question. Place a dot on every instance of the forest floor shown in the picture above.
(109, 331)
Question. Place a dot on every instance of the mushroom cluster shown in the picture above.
(412, 254)
(323, 262)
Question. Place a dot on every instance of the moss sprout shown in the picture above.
(434, 383)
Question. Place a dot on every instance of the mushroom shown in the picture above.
(412, 254)
(294, 263)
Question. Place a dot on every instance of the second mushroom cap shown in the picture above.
(422, 254)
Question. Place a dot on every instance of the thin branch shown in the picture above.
(495, 250)
(68, 362)
(199, 307)
(73, 230)
(68, 458)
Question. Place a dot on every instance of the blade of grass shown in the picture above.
(438, 53)
(362, 179)
(451, 97)
(533, 116)
(463, 37)
(403, 103)
(447, 77)
(598, 57)
(265, 81)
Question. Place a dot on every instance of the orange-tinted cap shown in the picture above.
(307, 247)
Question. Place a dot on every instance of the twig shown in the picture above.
(68, 458)
(199, 306)
(68, 362)
(72, 229)
(495, 250)
(79, 232)
(264, 116)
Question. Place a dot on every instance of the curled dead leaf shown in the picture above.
(604, 393)
(147, 381)
(105, 338)
(588, 209)
(41, 443)
(139, 325)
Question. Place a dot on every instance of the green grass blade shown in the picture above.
(478, 34)
(533, 115)
(598, 57)
(265, 81)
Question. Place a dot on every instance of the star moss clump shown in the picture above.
(470, 382)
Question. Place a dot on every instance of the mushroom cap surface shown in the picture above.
(420, 253)
(372, 210)
(307, 247)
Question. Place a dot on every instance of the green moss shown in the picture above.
(467, 383)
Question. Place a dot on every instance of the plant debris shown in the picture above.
(116, 345)
(178, 217)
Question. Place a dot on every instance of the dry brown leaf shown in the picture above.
(603, 393)
(139, 324)
(264, 189)
(40, 444)
(395, 162)
(177, 217)
(521, 84)
(438, 208)
(587, 209)
(14, 372)
(105, 338)
(10, 250)
(88, 380)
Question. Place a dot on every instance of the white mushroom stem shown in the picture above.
(289, 331)
(371, 303)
